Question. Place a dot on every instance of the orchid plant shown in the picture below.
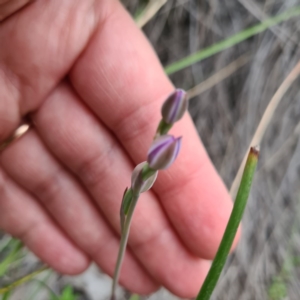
(161, 154)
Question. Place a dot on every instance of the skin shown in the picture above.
(93, 88)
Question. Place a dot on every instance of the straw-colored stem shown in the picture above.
(149, 12)
(22, 280)
(218, 76)
(265, 120)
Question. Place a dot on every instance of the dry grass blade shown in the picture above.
(219, 76)
(13, 284)
(265, 120)
(272, 162)
(149, 12)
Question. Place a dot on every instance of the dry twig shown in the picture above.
(265, 120)
(218, 77)
(149, 12)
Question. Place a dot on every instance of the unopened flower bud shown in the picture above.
(138, 183)
(163, 152)
(175, 106)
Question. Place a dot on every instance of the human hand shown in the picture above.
(93, 88)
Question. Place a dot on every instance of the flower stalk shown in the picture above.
(161, 155)
(123, 243)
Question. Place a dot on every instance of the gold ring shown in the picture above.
(21, 130)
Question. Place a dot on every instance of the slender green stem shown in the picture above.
(162, 128)
(123, 244)
(231, 41)
(12, 256)
(232, 226)
(147, 172)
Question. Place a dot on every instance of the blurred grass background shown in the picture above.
(266, 262)
(230, 91)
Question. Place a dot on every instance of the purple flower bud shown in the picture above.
(175, 106)
(137, 182)
(163, 152)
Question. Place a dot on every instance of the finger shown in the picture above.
(29, 163)
(95, 157)
(8, 7)
(23, 218)
(51, 35)
(121, 80)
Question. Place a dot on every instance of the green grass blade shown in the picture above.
(68, 293)
(6, 296)
(134, 297)
(11, 257)
(5, 244)
(231, 229)
(231, 41)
